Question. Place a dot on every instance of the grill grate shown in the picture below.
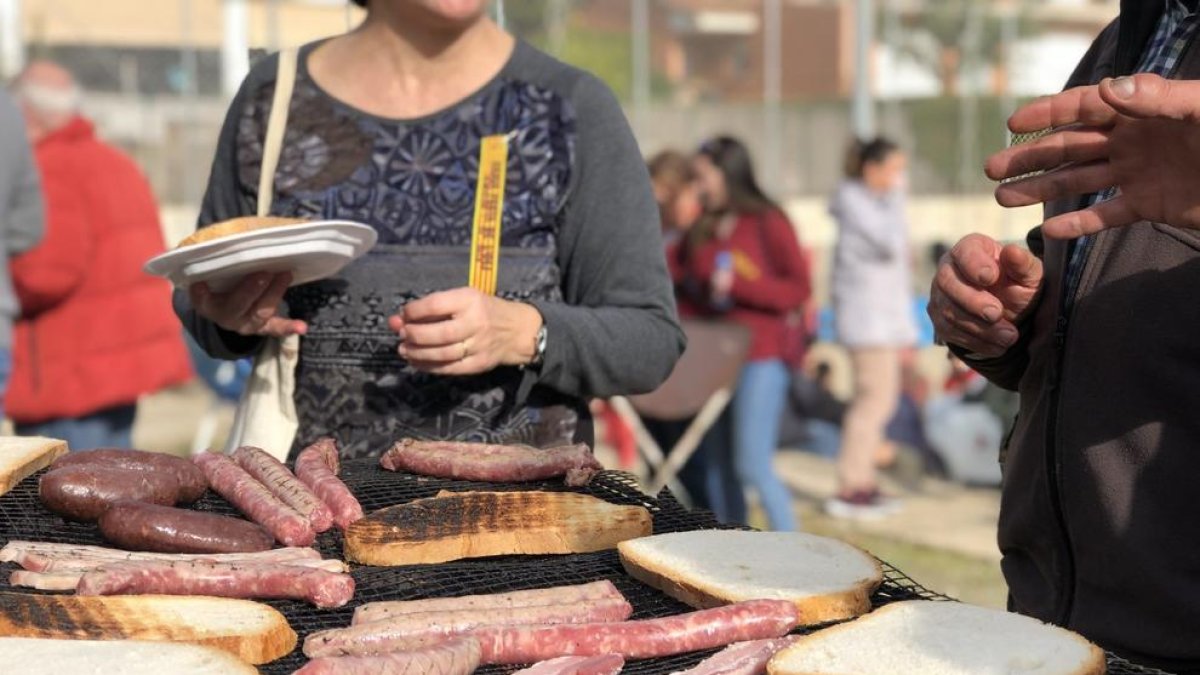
(23, 517)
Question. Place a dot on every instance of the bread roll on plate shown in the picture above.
(234, 226)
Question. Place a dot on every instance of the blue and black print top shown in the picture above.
(580, 241)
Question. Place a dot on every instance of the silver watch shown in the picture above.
(539, 347)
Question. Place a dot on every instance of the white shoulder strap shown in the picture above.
(276, 125)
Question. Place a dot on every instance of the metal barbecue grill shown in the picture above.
(23, 517)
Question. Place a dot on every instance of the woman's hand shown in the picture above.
(251, 308)
(465, 332)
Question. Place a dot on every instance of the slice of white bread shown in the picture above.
(20, 457)
(117, 657)
(829, 580)
(234, 226)
(924, 637)
(251, 631)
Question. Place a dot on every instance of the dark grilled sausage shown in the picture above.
(138, 526)
(85, 491)
(191, 479)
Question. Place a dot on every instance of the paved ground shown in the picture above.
(939, 515)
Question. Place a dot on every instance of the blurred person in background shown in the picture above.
(680, 202)
(21, 219)
(386, 127)
(747, 267)
(95, 332)
(814, 416)
(708, 476)
(872, 301)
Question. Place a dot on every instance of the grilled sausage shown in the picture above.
(85, 491)
(401, 631)
(317, 467)
(191, 479)
(253, 499)
(230, 580)
(284, 485)
(147, 527)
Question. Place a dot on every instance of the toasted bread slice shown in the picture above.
(118, 657)
(827, 579)
(20, 458)
(251, 631)
(226, 228)
(480, 524)
(922, 637)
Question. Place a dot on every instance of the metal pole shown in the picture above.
(191, 83)
(641, 62)
(1010, 33)
(235, 46)
(893, 37)
(12, 48)
(969, 106)
(273, 25)
(556, 25)
(772, 91)
(864, 36)
(500, 13)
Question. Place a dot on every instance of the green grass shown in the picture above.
(959, 576)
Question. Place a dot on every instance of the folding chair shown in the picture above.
(699, 388)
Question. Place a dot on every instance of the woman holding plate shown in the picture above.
(389, 125)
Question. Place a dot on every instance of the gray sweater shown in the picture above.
(872, 279)
(21, 211)
(580, 241)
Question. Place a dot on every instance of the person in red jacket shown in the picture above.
(745, 264)
(95, 332)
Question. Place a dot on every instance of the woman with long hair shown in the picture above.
(387, 127)
(872, 298)
(748, 260)
(677, 193)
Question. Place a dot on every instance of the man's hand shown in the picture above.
(251, 308)
(1140, 134)
(465, 332)
(981, 292)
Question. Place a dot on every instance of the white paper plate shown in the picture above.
(311, 251)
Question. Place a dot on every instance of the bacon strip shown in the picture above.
(538, 597)
(50, 557)
(456, 657)
(742, 658)
(252, 498)
(321, 588)
(492, 463)
(67, 578)
(609, 664)
(317, 466)
(58, 581)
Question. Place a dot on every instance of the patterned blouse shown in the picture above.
(579, 241)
